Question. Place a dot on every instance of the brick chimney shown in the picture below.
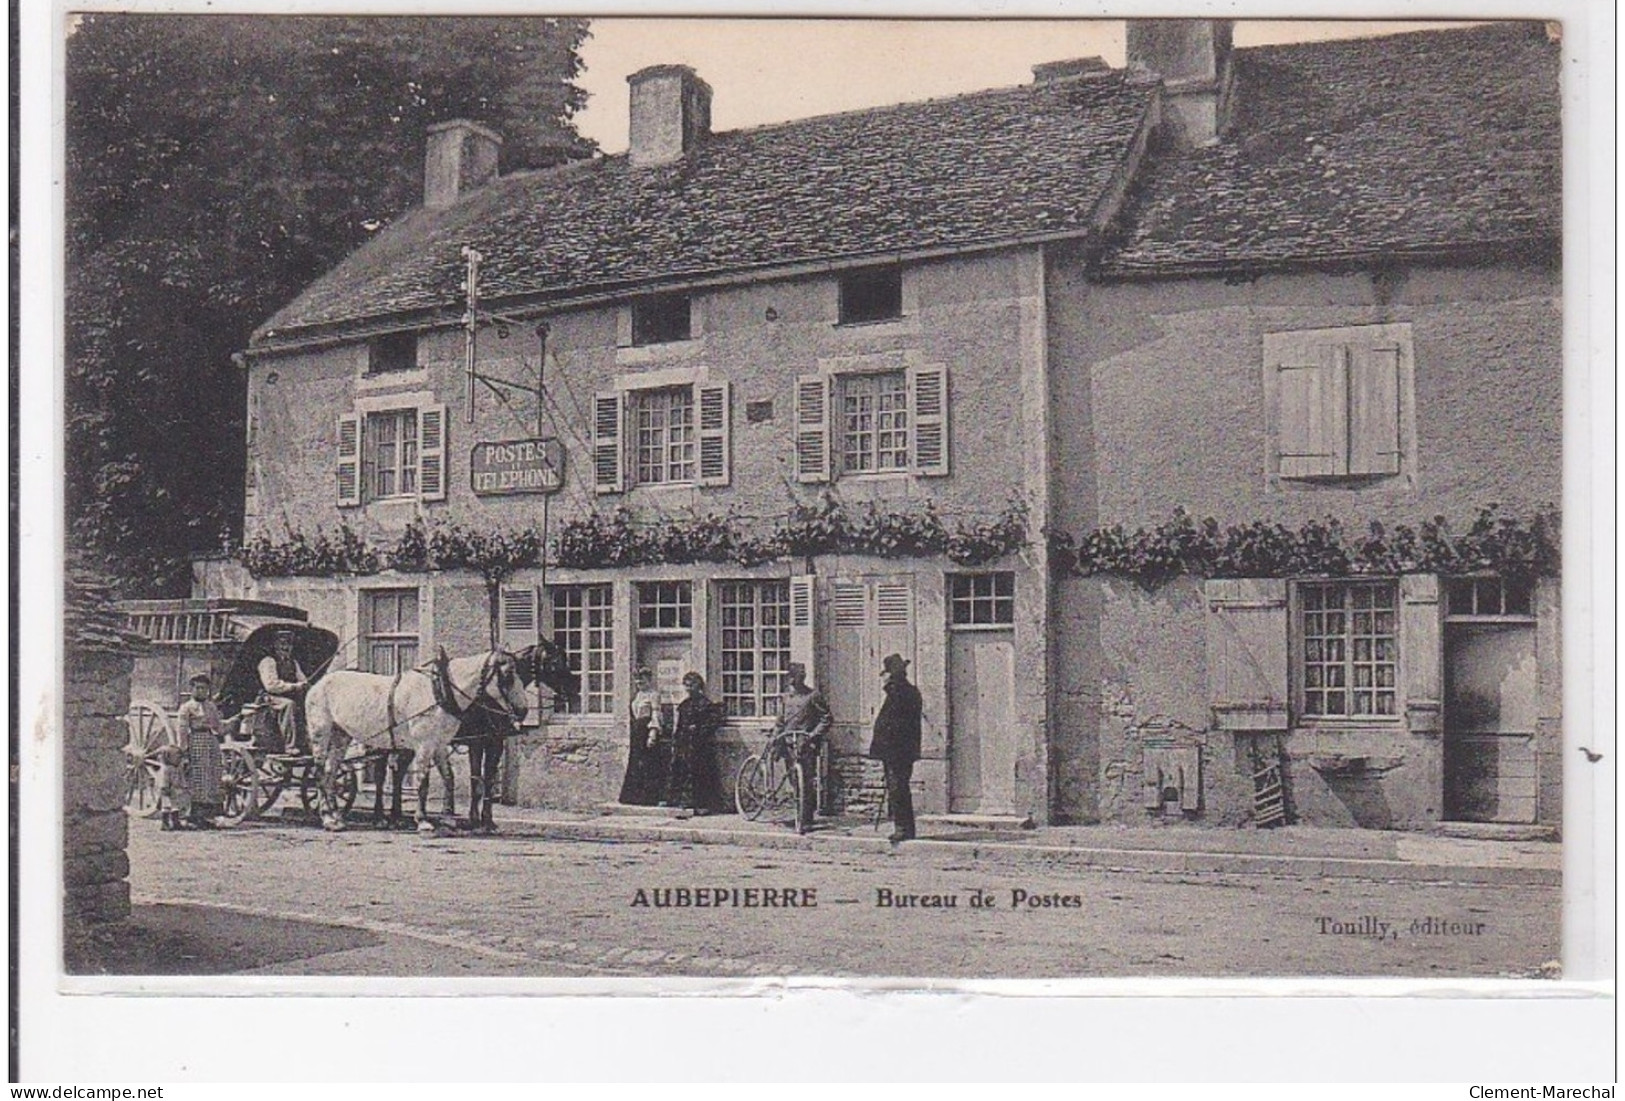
(671, 113)
(461, 156)
(1192, 56)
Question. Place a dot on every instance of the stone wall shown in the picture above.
(96, 694)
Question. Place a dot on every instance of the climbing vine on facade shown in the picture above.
(1515, 547)
(622, 538)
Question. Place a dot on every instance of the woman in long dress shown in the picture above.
(693, 784)
(645, 776)
(199, 727)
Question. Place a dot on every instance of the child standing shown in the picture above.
(200, 728)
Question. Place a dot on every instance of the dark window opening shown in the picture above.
(661, 320)
(871, 296)
(392, 352)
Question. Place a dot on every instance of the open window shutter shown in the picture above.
(1374, 410)
(516, 627)
(715, 414)
(1313, 431)
(928, 418)
(1247, 664)
(812, 428)
(802, 639)
(607, 417)
(349, 459)
(432, 453)
(1421, 651)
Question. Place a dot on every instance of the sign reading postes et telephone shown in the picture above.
(517, 466)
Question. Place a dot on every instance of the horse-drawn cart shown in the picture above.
(225, 639)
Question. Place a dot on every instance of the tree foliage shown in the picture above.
(216, 165)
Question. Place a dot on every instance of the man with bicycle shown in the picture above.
(805, 716)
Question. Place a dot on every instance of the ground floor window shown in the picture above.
(1350, 663)
(584, 624)
(665, 606)
(982, 599)
(389, 629)
(755, 644)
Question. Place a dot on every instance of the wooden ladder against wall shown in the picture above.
(1269, 784)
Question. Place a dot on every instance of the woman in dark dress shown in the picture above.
(693, 784)
(645, 778)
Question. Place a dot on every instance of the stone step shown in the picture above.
(980, 821)
(1497, 831)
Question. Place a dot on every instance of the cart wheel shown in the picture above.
(271, 777)
(150, 730)
(345, 791)
(240, 790)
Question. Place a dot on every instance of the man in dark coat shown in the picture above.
(896, 743)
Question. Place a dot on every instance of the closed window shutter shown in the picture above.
(1421, 651)
(1247, 665)
(812, 428)
(606, 442)
(715, 416)
(349, 459)
(517, 628)
(802, 608)
(432, 452)
(1374, 410)
(1313, 434)
(928, 418)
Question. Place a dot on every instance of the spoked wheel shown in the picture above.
(749, 787)
(150, 731)
(345, 790)
(239, 783)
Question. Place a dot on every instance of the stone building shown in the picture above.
(1049, 305)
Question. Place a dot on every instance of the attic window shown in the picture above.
(661, 319)
(874, 295)
(392, 352)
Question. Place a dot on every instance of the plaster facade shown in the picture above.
(1161, 402)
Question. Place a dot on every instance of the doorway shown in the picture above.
(1490, 675)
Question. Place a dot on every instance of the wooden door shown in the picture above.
(1489, 749)
(981, 733)
(868, 618)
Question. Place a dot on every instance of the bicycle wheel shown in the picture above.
(748, 787)
(778, 790)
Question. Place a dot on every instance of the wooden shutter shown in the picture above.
(812, 428)
(1374, 410)
(928, 418)
(1313, 426)
(517, 628)
(716, 406)
(608, 414)
(432, 453)
(1421, 652)
(1247, 664)
(803, 591)
(349, 459)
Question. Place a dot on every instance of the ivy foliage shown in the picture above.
(1516, 547)
(620, 538)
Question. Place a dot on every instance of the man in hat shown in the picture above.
(896, 743)
(801, 709)
(285, 683)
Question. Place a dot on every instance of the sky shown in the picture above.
(770, 70)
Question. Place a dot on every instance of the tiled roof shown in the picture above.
(1428, 142)
(973, 170)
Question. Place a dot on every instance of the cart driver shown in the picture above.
(285, 683)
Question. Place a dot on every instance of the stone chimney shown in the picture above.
(1050, 71)
(1192, 56)
(671, 113)
(461, 156)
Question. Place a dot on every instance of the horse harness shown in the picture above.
(445, 692)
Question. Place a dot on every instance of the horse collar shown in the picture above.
(445, 693)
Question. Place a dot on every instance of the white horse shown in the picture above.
(418, 710)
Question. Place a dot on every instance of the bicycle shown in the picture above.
(773, 780)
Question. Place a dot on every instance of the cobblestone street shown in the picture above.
(275, 898)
